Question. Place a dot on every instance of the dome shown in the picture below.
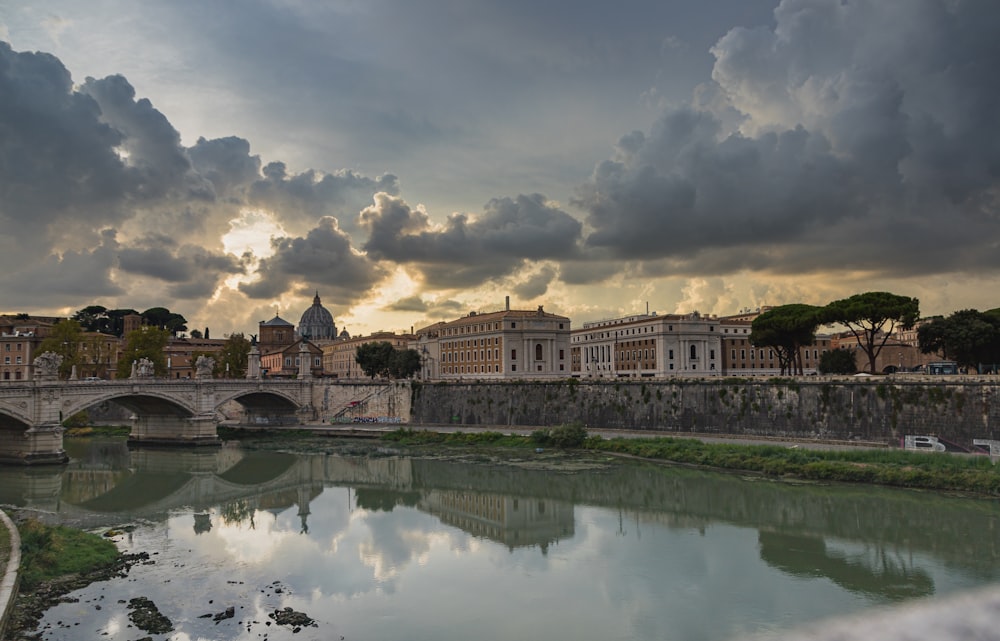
(317, 322)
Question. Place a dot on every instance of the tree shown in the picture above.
(786, 329)
(837, 361)
(404, 363)
(375, 358)
(145, 342)
(196, 333)
(231, 361)
(968, 337)
(165, 319)
(66, 340)
(93, 318)
(872, 317)
(96, 318)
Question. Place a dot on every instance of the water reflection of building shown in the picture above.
(513, 521)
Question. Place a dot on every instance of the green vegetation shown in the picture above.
(146, 342)
(98, 430)
(882, 467)
(969, 337)
(786, 329)
(889, 467)
(48, 552)
(407, 436)
(872, 317)
(837, 361)
(383, 360)
(563, 436)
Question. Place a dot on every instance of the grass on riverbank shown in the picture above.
(973, 474)
(48, 552)
(883, 467)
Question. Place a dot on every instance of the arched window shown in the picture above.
(538, 351)
(694, 352)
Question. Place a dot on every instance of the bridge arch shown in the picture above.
(148, 402)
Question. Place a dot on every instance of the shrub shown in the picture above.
(568, 435)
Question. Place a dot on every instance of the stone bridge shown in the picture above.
(164, 411)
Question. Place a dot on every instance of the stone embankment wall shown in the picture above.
(344, 401)
(879, 409)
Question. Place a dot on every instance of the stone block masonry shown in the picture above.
(877, 409)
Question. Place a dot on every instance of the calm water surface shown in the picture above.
(390, 547)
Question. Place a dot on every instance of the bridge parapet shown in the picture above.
(165, 411)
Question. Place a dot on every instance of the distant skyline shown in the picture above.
(413, 162)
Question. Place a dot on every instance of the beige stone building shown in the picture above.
(647, 346)
(182, 353)
(508, 344)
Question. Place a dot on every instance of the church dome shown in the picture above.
(317, 322)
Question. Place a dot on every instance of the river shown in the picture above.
(372, 543)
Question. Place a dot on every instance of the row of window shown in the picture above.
(602, 353)
(6, 347)
(770, 354)
(446, 345)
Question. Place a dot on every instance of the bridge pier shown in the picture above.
(174, 430)
(39, 445)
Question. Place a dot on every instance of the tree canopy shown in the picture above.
(786, 329)
(96, 318)
(164, 319)
(872, 317)
(66, 340)
(231, 361)
(381, 359)
(145, 342)
(968, 337)
(837, 361)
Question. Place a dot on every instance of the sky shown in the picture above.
(415, 161)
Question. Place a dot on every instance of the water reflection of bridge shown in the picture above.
(802, 530)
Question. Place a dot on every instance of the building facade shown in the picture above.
(647, 346)
(508, 344)
(339, 357)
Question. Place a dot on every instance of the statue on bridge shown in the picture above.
(47, 366)
(204, 366)
(143, 368)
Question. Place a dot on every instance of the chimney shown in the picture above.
(507, 308)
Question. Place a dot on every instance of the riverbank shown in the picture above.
(10, 563)
(810, 460)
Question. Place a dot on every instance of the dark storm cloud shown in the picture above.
(75, 161)
(75, 275)
(150, 143)
(311, 195)
(323, 258)
(536, 284)
(470, 251)
(226, 163)
(866, 145)
(188, 267)
(57, 156)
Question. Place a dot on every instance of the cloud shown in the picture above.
(57, 158)
(469, 251)
(536, 284)
(78, 160)
(854, 150)
(322, 259)
(70, 275)
(311, 195)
